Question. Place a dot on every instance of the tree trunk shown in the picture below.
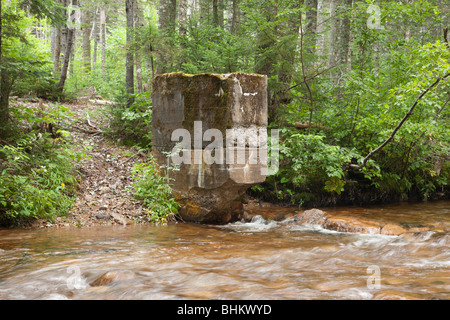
(56, 53)
(86, 28)
(267, 61)
(322, 9)
(73, 52)
(4, 89)
(56, 43)
(166, 25)
(343, 39)
(95, 37)
(222, 14)
(311, 17)
(182, 17)
(215, 12)
(205, 11)
(218, 15)
(167, 16)
(103, 37)
(130, 56)
(64, 38)
(340, 35)
(236, 17)
(67, 53)
(137, 52)
(310, 30)
(331, 35)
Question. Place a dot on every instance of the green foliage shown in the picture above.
(154, 191)
(354, 114)
(23, 56)
(354, 108)
(132, 124)
(211, 49)
(37, 179)
(309, 167)
(38, 176)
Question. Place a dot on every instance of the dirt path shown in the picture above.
(104, 195)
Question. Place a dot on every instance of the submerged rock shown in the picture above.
(340, 223)
(313, 216)
(351, 224)
(392, 229)
(110, 277)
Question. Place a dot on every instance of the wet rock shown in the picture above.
(440, 228)
(229, 107)
(392, 229)
(121, 219)
(352, 225)
(418, 229)
(111, 277)
(313, 216)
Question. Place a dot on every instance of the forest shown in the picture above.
(359, 89)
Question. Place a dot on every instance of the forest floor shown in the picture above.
(104, 194)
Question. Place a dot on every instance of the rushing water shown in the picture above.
(257, 260)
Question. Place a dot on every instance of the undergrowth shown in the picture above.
(37, 168)
(153, 189)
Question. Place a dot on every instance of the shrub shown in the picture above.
(132, 124)
(37, 179)
(37, 175)
(154, 191)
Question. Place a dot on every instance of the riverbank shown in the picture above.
(104, 193)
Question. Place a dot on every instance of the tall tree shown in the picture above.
(310, 30)
(218, 15)
(56, 48)
(137, 48)
(95, 36)
(205, 11)
(277, 41)
(10, 58)
(182, 17)
(5, 86)
(166, 24)
(311, 17)
(129, 7)
(321, 29)
(234, 18)
(86, 28)
(340, 34)
(103, 36)
(69, 46)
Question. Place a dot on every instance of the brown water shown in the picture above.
(258, 260)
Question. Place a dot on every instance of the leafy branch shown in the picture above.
(407, 115)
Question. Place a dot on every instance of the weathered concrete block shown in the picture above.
(219, 122)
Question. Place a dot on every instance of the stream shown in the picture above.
(261, 259)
